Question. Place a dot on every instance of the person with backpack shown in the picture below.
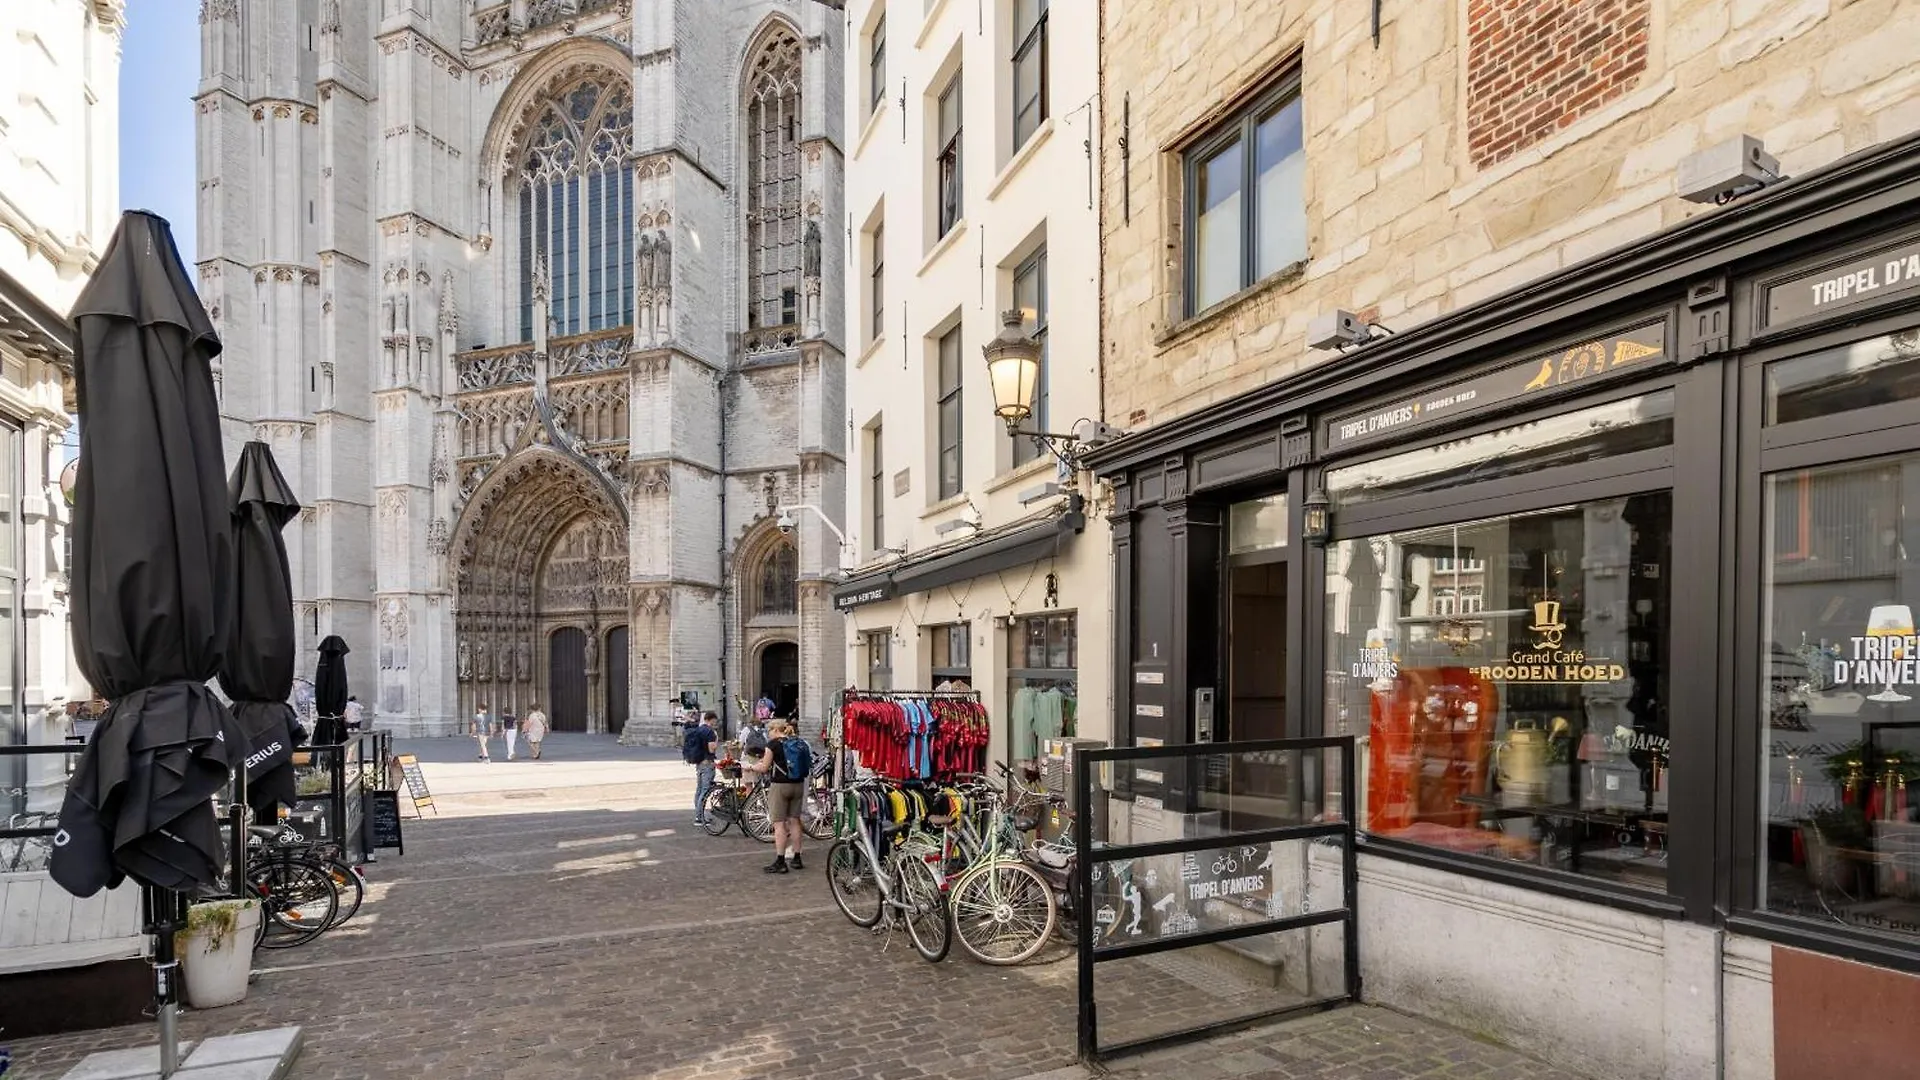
(787, 763)
(697, 749)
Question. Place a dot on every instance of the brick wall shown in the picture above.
(1536, 66)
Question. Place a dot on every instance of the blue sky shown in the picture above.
(159, 72)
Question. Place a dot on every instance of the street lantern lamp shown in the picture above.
(1314, 527)
(1013, 374)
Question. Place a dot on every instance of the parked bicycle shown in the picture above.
(900, 885)
(737, 798)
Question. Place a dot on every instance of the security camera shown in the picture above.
(785, 523)
(1722, 173)
(1337, 329)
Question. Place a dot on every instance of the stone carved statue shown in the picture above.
(405, 320)
(662, 281)
(466, 661)
(483, 657)
(593, 651)
(506, 660)
(523, 661)
(810, 249)
(387, 313)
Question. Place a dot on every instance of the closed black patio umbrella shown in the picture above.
(152, 592)
(330, 693)
(258, 673)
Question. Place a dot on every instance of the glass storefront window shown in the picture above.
(1511, 675)
(1840, 825)
(952, 657)
(879, 645)
(1878, 371)
(1257, 525)
(1619, 427)
(1042, 682)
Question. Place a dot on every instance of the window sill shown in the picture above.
(1026, 471)
(952, 502)
(927, 23)
(945, 245)
(872, 125)
(1020, 157)
(1285, 278)
(872, 350)
(1519, 876)
(1828, 940)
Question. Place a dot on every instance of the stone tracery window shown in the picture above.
(779, 580)
(774, 226)
(575, 175)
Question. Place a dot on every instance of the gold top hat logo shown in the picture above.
(1546, 623)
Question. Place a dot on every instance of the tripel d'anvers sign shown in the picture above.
(1888, 273)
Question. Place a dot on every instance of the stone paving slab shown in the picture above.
(611, 941)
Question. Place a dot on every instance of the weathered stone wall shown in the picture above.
(1403, 224)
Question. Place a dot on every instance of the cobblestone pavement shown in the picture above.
(594, 932)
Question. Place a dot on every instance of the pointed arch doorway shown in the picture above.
(780, 676)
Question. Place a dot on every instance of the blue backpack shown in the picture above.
(798, 758)
(693, 745)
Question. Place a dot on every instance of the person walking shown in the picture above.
(697, 748)
(483, 729)
(534, 727)
(787, 763)
(510, 730)
(356, 713)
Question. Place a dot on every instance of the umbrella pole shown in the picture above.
(164, 916)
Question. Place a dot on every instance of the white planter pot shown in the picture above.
(216, 976)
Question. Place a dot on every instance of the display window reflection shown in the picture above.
(1510, 675)
(1840, 827)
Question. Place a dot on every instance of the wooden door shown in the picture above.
(616, 655)
(567, 678)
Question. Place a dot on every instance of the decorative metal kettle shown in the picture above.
(1520, 759)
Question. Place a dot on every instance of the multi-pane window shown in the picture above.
(877, 487)
(1246, 214)
(879, 645)
(879, 282)
(952, 656)
(947, 157)
(952, 475)
(773, 185)
(1030, 296)
(877, 66)
(1043, 694)
(1029, 68)
(576, 209)
(779, 579)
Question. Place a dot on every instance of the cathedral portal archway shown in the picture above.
(541, 581)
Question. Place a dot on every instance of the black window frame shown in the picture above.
(1241, 128)
(1034, 268)
(949, 405)
(877, 486)
(1029, 46)
(877, 65)
(877, 282)
(948, 163)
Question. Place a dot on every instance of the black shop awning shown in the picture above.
(1004, 550)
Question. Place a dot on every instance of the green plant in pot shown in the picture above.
(317, 782)
(214, 920)
(216, 951)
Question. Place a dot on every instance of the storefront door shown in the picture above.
(1257, 639)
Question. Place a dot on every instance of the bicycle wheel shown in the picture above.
(855, 888)
(755, 821)
(816, 815)
(1003, 911)
(351, 887)
(719, 813)
(298, 898)
(928, 925)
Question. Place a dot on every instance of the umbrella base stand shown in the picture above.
(165, 914)
(255, 1055)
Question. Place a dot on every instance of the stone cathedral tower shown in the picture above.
(537, 303)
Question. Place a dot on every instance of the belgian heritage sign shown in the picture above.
(1542, 376)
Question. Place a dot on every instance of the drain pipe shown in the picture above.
(726, 588)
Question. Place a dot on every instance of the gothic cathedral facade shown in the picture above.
(537, 304)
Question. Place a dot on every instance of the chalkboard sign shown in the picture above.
(383, 820)
(416, 783)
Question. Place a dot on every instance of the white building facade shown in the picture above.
(971, 190)
(529, 300)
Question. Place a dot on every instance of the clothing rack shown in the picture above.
(917, 743)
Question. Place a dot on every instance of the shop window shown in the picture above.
(1246, 210)
(1257, 525)
(946, 158)
(952, 420)
(1030, 296)
(1840, 826)
(952, 657)
(1879, 371)
(879, 646)
(1043, 653)
(1515, 694)
(1604, 431)
(1029, 69)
